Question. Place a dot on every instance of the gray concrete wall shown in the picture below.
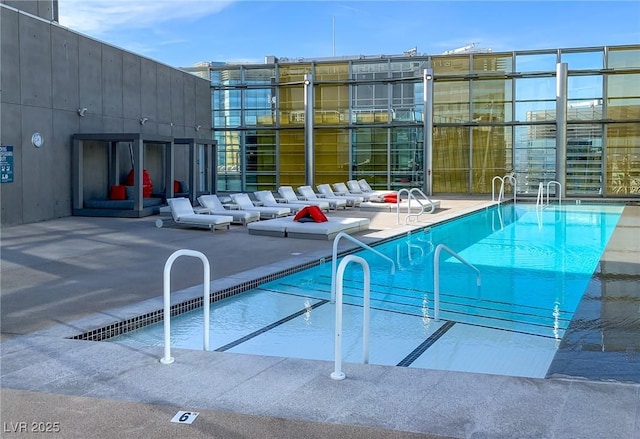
(47, 74)
(47, 9)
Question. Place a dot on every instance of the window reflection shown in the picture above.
(583, 60)
(544, 62)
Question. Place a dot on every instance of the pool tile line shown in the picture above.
(270, 326)
(413, 356)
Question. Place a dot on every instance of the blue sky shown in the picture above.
(183, 32)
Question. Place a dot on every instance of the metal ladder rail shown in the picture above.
(514, 183)
(412, 192)
(167, 359)
(493, 189)
(334, 259)
(400, 192)
(436, 277)
(540, 197)
(554, 182)
(409, 214)
(411, 196)
(337, 373)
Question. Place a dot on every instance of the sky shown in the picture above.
(181, 33)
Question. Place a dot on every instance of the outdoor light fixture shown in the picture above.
(82, 111)
(197, 127)
(143, 120)
(37, 140)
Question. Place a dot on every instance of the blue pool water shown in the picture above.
(535, 266)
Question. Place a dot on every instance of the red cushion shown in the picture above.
(391, 198)
(147, 184)
(313, 212)
(176, 187)
(118, 193)
(316, 213)
(301, 213)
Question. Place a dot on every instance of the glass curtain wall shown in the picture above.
(493, 113)
(331, 118)
(623, 135)
(291, 157)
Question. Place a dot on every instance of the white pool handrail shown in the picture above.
(540, 196)
(337, 373)
(540, 200)
(399, 199)
(412, 195)
(493, 189)
(334, 259)
(554, 182)
(436, 276)
(167, 359)
(511, 177)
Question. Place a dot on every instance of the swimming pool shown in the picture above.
(535, 266)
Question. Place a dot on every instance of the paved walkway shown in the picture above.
(60, 277)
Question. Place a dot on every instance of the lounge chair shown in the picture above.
(290, 196)
(327, 192)
(183, 214)
(267, 199)
(244, 203)
(343, 189)
(213, 205)
(309, 194)
(367, 189)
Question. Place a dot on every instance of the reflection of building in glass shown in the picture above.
(492, 113)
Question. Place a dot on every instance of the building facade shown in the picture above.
(295, 122)
(56, 83)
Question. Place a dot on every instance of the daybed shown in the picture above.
(119, 208)
(287, 227)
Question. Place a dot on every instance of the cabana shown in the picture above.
(100, 163)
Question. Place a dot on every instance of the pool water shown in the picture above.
(535, 265)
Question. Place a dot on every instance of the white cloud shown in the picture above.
(96, 17)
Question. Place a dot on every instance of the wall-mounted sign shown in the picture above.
(6, 164)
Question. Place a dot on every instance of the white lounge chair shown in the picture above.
(213, 204)
(244, 203)
(343, 189)
(183, 214)
(267, 199)
(327, 192)
(309, 194)
(290, 196)
(367, 189)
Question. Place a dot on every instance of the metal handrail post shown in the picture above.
(167, 359)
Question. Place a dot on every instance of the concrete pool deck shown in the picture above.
(60, 276)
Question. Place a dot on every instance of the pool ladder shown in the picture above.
(168, 359)
(511, 178)
(411, 195)
(540, 202)
(337, 275)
